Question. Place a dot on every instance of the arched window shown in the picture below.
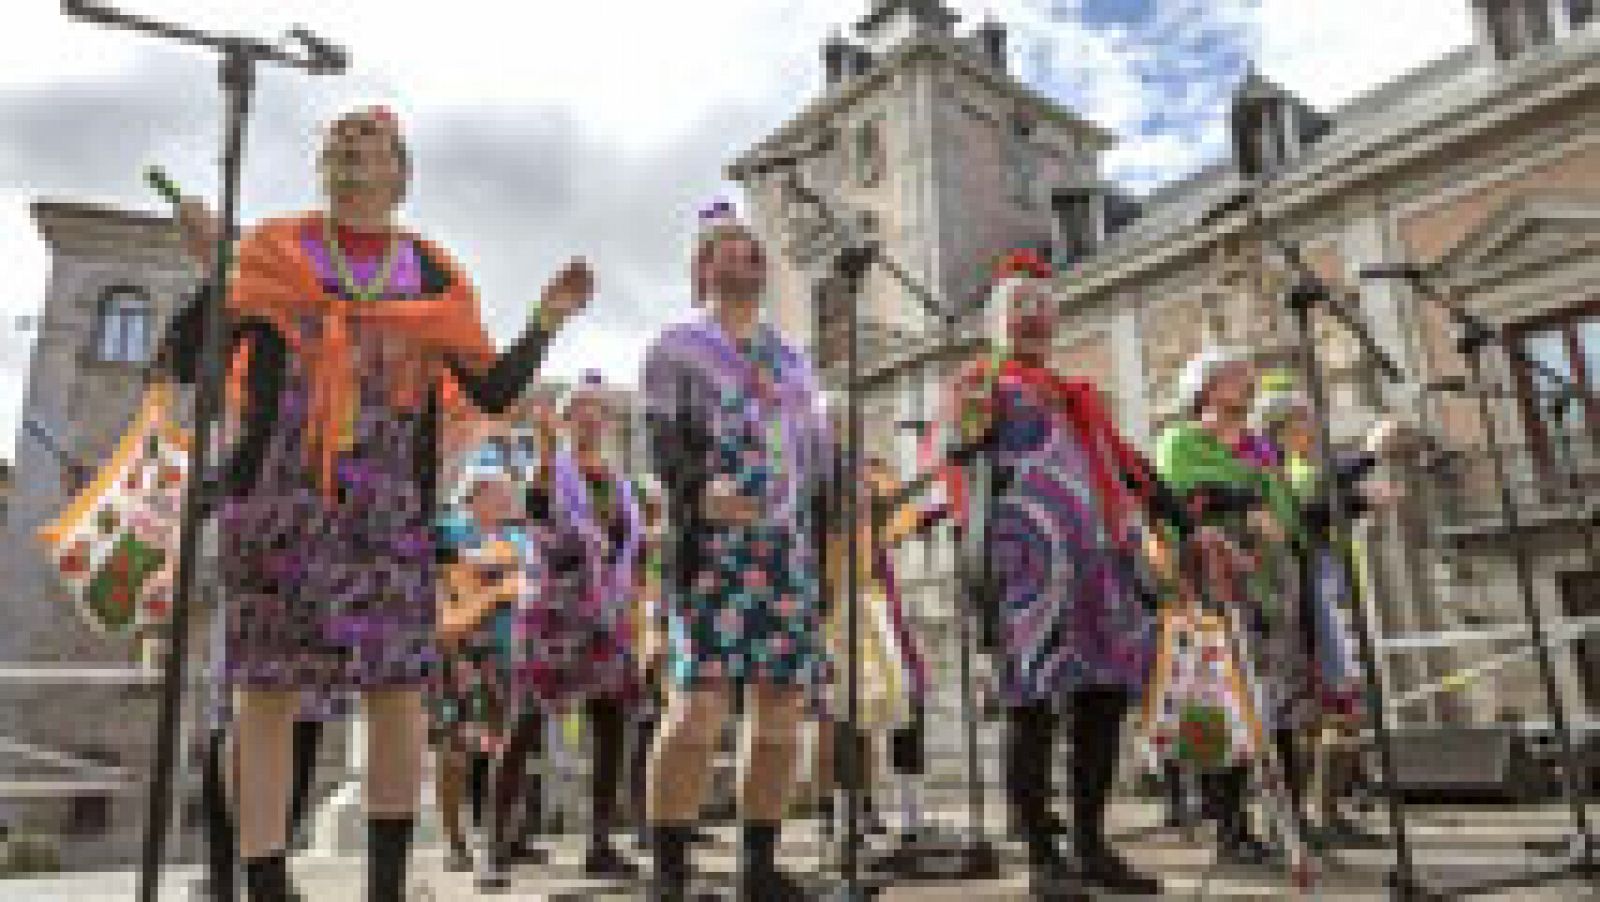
(124, 327)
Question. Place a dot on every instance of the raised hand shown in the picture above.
(568, 293)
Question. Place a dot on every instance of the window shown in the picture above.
(123, 331)
(1021, 164)
(869, 153)
(1581, 12)
(1568, 345)
(1516, 26)
(1077, 233)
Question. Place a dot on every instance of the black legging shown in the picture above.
(608, 718)
(1097, 719)
(509, 776)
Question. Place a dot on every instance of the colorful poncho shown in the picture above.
(1058, 532)
(1191, 458)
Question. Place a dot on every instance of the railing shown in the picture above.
(1558, 482)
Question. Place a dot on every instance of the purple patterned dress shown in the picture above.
(336, 593)
(1068, 618)
(572, 631)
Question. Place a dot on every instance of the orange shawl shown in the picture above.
(275, 281)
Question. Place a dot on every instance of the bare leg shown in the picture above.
(263, 745)
(680, 767)
(450, 780)
(264, 720)
(394, 778)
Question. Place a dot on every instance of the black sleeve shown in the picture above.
(179, 358)
(1207, 501)
(494, 390)
(1163, 504)
(677, 446)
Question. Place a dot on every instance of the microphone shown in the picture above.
(1403, 271)
(324, 56)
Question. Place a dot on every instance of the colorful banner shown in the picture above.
(116, 544)
(1199, 711)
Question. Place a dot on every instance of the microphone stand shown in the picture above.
(1308, 292)
(1472, 337)
(240, 58)
(851, 265)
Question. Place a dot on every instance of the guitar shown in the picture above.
(474, 587)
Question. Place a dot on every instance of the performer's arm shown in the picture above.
(1349, 473)
(494, 390)
(266, 365)
(676, 448)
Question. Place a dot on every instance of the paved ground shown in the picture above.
(1453, 846)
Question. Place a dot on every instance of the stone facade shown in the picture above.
(1482, 162)
(101, 727)
(1487, 169)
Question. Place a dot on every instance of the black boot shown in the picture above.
(1237, 844)
(602, 859)
(1103, 870)
(1029, 772)
(760, 878)
(669, 872)
(1046, 867)
(266, 879)
(388, 855)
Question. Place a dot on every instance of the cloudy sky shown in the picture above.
(543, 130)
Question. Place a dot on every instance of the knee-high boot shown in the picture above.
(1238, 844)
(669, 873)
(1029, 750)
(266, 879)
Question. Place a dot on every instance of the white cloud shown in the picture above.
(1331, 50)
(627, 106)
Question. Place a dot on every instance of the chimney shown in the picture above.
(992, 40)
(837, 59)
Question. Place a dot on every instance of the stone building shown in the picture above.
(77, 710)
(1484, 168)
(1484, 163)
(923, 141)
(78, 705)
